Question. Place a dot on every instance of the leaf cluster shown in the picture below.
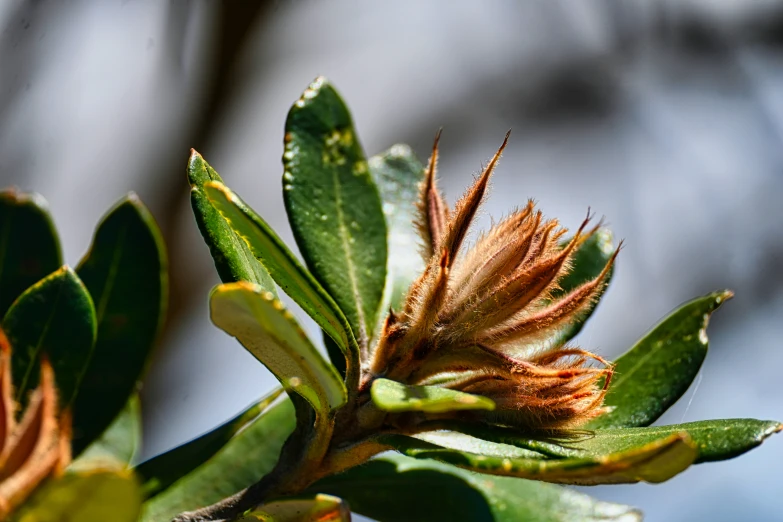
(95, 327)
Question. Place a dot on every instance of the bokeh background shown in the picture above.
(665, 116)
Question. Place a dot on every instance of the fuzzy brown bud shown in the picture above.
(479, 320)
(39, 445)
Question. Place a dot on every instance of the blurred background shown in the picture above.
(665, 116)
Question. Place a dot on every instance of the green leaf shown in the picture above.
(714, 439)
(286, 270)
(118, 445)
(233, 258)
(244, 460)
(397, 174)
(84, 497)
(333, 205)
(126, 273)
(587, 263)
(269, 331)
(314, 508)
(660, 367)
(162, 471)
(654, 462)
(54, 317)
(397, 397)
(394, 488)
(29, 247)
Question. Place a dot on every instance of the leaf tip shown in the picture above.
(316, 86)
(19, 198)
(723, 296)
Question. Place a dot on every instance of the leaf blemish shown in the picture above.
(336, 148)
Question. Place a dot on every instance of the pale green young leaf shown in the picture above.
(267, 330)
(286, 270)
(397, 397)
(654, 462)
(312, 508)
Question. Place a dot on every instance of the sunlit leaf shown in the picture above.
(714, 439)
(262, 324)
(286, 270)
(233, 258)
(660, 367)
(655, 461)
(314, 508)
(333, 205)
(395, 397)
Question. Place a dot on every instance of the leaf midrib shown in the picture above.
(676, 428)
(36, 353)
(362, 337)
(111, 277)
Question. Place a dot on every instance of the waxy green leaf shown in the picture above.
(397, 397)
(269, 331)
(654, 462)
(397, 174)
(334, 207)
(162, 471)
(395, 488)
(286, 270)
(233, 258)
(714, 439)
(587, 263)
(97, 496)
(313, 508)
(55, 317)
(660, 367)
(29, 247)
(244, 460)
(126, 273)
(118, 445)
